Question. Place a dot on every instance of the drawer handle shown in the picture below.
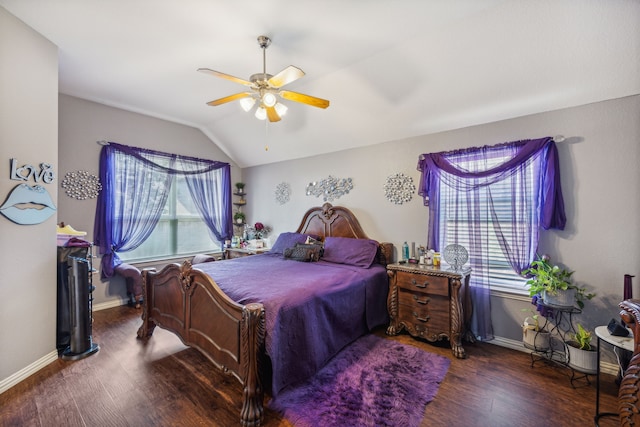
(419, 285)
(421, 301)
(422, 319)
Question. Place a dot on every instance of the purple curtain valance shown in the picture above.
(433, 165)
(152, 158)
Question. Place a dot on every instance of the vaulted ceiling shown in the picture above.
(391, 69)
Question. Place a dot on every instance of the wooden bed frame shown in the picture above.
(189, 303)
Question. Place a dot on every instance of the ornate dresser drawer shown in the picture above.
(423, 283)
(429, 303)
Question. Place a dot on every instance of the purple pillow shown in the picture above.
(345, 250)
(288, 240)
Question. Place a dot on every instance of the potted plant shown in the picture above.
(239, 217)
(533, 336)
(554, 284)
(240, 187)
(581, 355)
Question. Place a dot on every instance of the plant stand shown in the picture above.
(561, 322)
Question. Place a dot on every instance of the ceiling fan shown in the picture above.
(264, 88)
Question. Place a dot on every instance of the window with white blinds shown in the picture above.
(455, 204)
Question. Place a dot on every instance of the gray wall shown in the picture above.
(82, 124)
(600, 180)
(28, 133)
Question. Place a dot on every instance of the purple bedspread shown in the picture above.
(312, 309)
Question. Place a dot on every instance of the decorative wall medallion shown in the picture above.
(330, 188)
(81, 185)
(283, 191)
(399, 188)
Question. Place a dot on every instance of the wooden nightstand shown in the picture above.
(230, 253)
(429, 303)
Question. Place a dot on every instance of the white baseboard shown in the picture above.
(110, 304)
(27, 371)
(605, 367)
(22, 374)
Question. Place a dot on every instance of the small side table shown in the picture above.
(625, 343)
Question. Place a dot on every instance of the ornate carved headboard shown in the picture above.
(337, 221)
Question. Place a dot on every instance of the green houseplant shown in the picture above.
(240, 187)
(581, 355)
(550, 281)
(534, 337)
(239, 217)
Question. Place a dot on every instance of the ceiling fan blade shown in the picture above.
(228, 98)
(225, 76)
(286, 76)
(305, 99)
(272, 114)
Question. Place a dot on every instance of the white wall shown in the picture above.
(28, 133)
(82, 124)
(600, 180)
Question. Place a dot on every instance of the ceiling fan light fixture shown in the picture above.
(281, 109)
(247, 104)
(261, 113)
(262, 89)
(269, 99)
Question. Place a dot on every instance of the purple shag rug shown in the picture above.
(372, 382)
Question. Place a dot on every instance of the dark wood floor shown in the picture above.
(162, 383)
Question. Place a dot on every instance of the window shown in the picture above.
(454, 221)
(180, 230)
(156, 205)
(493, 200)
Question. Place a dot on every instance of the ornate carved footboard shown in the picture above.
(629, 393)
(185, 301)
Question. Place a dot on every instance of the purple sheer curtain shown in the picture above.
(211, 195)
(136, 184)
(506, 191)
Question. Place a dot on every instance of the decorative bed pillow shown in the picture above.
(312, 241)
(344, 250)
(303, 252)
(287, 240)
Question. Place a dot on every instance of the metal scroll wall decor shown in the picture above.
(28, 205)
(399, 188)
(283, 192)
(330, 188)
(81, 185)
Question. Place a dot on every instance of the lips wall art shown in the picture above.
(27, 205)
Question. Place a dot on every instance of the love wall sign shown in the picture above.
(27, 205)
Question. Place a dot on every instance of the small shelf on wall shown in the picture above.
(239, 203)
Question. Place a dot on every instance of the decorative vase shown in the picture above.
(585, 361)
(561, 298)
(627, 292)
